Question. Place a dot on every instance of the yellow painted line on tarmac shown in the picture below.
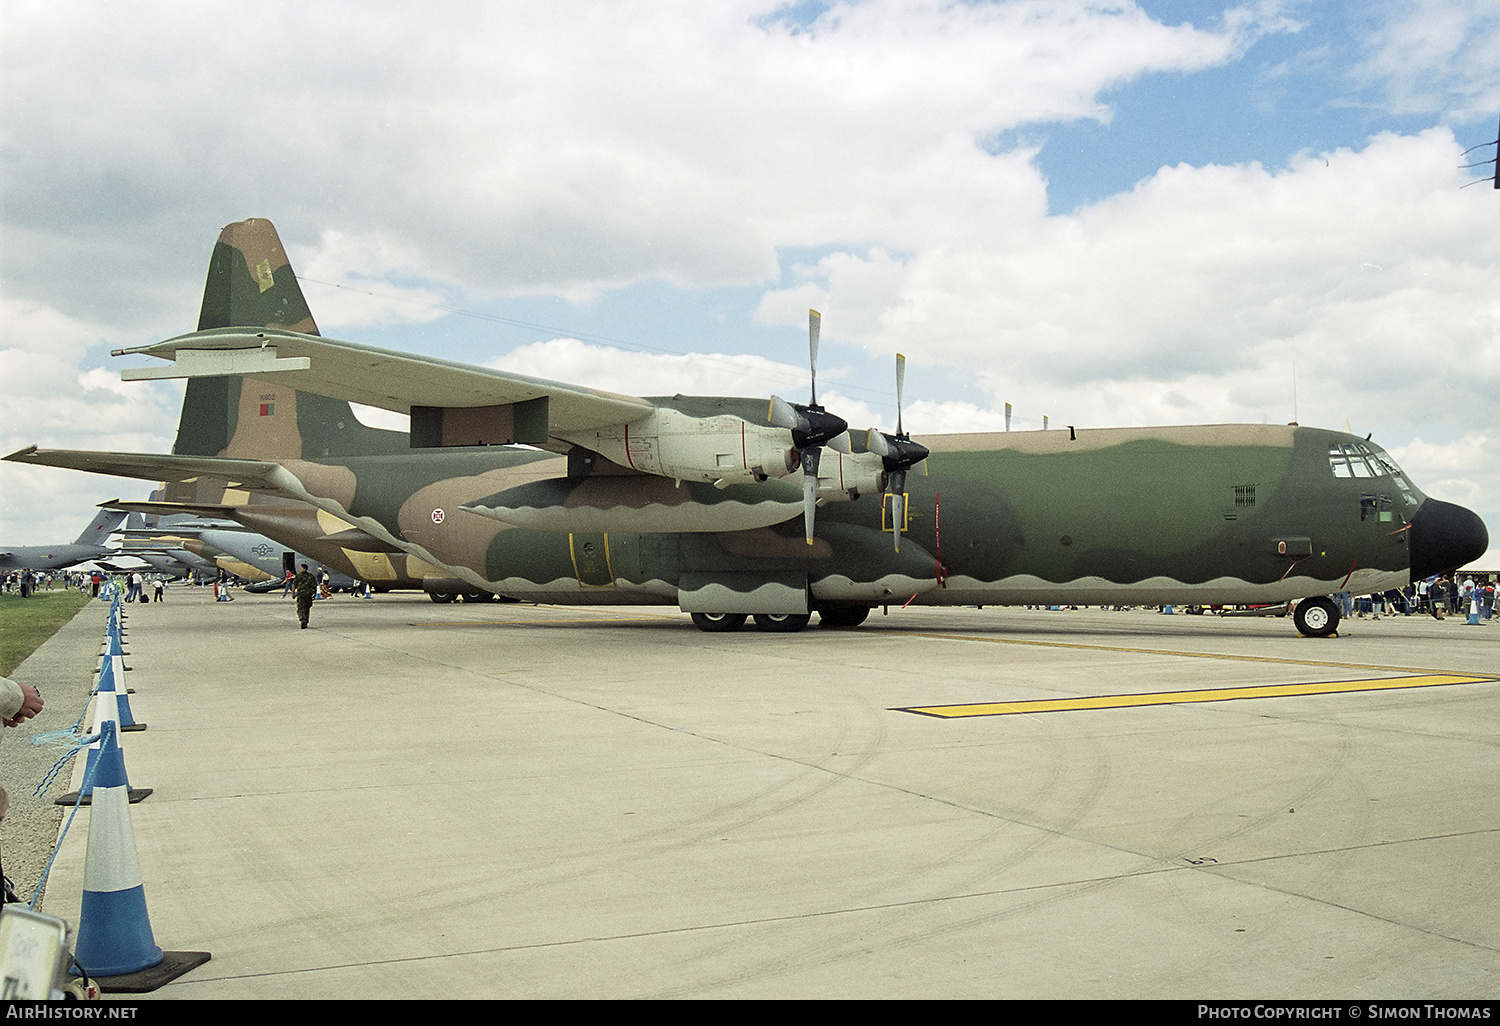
(1331, 687)
(1232, 657)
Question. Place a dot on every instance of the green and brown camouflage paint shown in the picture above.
(1211, 514)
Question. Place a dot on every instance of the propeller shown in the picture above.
(812, 428)
(899, 454)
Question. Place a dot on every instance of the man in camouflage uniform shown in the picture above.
(304, 586)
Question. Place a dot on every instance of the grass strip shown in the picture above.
(26, 623)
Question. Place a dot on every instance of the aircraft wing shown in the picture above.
(250, 475)
(383, 378)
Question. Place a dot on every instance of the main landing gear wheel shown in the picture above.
(718, 623)
(1316, 617)
(843, 616)
(781, 623)
(438, 596)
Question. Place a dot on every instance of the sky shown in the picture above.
(1103, 213)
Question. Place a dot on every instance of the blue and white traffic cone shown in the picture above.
(105, 713)
(123, 716)
(1474, 611)
(114, 930)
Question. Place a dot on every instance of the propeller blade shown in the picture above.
(900, 387)
(784, 415)
(810, 488)
(877, 444)
(896, 488)
(840, 443)
(814, 328)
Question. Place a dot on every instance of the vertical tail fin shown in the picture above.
(251, 284)
(98, 531)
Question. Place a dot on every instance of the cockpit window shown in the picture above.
(1383, 459)
(1351, 459)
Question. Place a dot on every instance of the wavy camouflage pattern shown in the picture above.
(1213, 514)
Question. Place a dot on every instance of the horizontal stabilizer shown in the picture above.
(251, 475)
(383, 378)
(356, 540)
(167, 509)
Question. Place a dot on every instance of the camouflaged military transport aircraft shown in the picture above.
(302, 533)
(731, 507)
(216, 544)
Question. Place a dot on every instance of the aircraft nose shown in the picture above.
(1445, 536)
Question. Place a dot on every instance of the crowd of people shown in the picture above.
(1437, 596)
(134, 585)
(25, 582)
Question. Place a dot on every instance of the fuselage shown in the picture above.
(51, 557)
(1215, 514)
(700, 501)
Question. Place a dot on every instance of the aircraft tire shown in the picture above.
(1316, 617)
(842, 616)
(479, 596)
(438, 596)
(718, 623)
(781, 623)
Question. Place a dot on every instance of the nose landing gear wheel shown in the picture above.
(1316, 617)
(718, 623)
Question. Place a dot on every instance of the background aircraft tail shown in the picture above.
(98, 531)
(251, 284)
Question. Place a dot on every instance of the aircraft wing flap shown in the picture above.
(380, 377)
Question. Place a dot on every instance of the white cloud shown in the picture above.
(1436, 55)
(51, 399)
(1191, 297)
(634, 373)
(356, 281)
(564, 147)
(410, 155)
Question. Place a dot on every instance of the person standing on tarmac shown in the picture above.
(17, 702)
(304, 586)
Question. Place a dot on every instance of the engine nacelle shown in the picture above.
(687, 448)
(843, 475)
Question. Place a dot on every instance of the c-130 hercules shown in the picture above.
(730, 507)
